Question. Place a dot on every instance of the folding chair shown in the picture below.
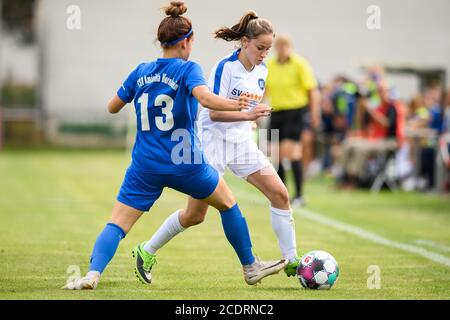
(386, 173)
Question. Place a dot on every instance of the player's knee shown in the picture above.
(191, 218)
(280, 196)
(227, 204)
(197, 219)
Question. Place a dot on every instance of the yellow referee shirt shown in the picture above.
(288, 83)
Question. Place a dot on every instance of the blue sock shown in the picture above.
(105, 247)
(236, 230)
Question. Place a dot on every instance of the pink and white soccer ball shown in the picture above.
(318, 270)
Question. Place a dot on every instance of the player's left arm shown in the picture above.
(115, 104)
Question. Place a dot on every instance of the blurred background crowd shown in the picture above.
(363, 129)
(360, 131)
(368, 133)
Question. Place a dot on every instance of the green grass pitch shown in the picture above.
(53, 204)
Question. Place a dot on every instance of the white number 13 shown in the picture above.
(163, 101)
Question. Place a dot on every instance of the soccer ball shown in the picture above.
(318, 270)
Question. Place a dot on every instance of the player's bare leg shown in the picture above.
(180, 220)
(122, 220)
(270, 184)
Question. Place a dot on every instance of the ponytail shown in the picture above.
(250, 26)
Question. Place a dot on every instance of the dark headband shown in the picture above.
(173, 42)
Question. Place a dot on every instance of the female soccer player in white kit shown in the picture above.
(227, 138)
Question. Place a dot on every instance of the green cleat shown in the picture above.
(291, 267)
(144, 264)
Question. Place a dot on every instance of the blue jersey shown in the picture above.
(166, 140)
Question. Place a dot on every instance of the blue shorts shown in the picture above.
(140, 190)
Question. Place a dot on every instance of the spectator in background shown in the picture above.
(292, 92)
(328, 128)
(446, 122)
(418, 114)
(418, 117)
(446, 125)
(382, 128)
(433, 102)
(445, 146)
(434, 94)
(375, 77)
(338, 106)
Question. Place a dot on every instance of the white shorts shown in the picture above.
(242, 158)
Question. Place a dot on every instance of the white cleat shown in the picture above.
(253, 273)
(85, 283)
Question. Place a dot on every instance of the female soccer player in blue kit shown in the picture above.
(166, 93)
(227, 142)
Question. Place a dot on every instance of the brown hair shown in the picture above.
(174, 26)
(250, 26)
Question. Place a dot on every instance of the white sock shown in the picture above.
(92, 274)
(169, 229)
(283, 226)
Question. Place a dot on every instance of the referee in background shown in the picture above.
(292, 92)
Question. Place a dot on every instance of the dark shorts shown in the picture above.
(140, 190)
(290, 123)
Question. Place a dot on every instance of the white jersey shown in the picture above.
(230, 79)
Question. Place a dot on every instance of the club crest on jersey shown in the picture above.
(262, 84)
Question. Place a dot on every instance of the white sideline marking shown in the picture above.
(372, 236)
(432, 244)
(366, 235)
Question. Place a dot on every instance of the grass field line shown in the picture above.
(370, 236)
(432, 244)
(359, 232)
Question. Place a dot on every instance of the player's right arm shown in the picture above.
(125, 94)
(115, 104)
(214, 102)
